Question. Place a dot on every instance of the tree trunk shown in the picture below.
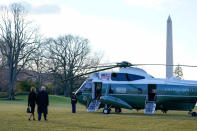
(67, 90)
(11, 91)
(12, 74)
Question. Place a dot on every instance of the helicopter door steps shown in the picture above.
(150, 107)
(93, 106)
(150, 102)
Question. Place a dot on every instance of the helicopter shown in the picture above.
(133, 88)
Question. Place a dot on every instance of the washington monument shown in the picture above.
(169, 50)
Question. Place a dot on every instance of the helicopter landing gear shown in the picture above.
(194, 114)
(164, 111)
(118, 110)
(107, 109)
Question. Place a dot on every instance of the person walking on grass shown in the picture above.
(32, 102)
(42, 103)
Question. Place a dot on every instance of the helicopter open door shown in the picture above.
(96, 94)
(150, 103)
(152, 92)
(98, 90)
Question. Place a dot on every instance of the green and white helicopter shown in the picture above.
(134, 88)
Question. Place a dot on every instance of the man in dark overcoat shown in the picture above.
(42, 103)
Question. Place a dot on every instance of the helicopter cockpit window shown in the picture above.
(125, 77)
(119, 77)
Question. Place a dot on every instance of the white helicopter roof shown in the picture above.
(107, 75)
(135, 71)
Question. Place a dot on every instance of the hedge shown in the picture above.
(5, 94)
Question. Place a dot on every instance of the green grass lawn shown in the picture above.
(13, 117)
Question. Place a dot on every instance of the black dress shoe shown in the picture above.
(29, 119)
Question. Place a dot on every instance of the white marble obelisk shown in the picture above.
(169, 50)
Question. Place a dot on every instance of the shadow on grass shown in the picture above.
(172, 115)
(73, 124)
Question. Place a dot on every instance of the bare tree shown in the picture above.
(53, 68)
(70, 56)
(18, 41)
(178, 72)
(2, 61)
(3, 78)
(37, 66)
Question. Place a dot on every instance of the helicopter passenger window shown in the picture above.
(139, 91)
(133, 77)
(125, 77)
(119, 77)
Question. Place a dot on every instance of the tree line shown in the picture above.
(23, 48)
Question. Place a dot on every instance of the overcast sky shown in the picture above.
(124, 30)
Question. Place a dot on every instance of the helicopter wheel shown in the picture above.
(106, 111)
(118, 110)
(164, 111)
(194, 114)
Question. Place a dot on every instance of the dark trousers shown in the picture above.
(40, 115)
(73, 108)
(44, 110)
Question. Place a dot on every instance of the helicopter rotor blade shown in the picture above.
(123, 64)
(95, 67)
(107, 68)
(163, 65)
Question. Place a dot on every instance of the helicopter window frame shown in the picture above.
(140, 91)
(125, 77)
(87, 86)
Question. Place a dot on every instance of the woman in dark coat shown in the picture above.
(42, 103)
(32, 102)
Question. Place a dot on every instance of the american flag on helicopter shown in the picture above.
(105, 76)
